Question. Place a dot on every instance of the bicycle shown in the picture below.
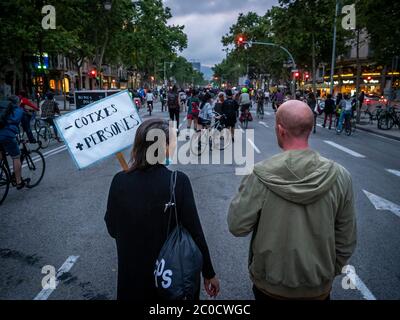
(260, 111)
(389, 118)
(150, 107)
(44, 133)
(33, 168)
(217, 136)
(245, 117)
(349, 125)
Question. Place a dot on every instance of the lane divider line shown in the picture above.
(67, 265)
(264, 124)
(254, 146)
(395, 172)
(344, 149)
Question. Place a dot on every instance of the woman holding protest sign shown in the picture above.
(137, 218)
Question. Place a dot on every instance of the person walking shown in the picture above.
(300, 208)
(138, 223)
(173, 106)
(312, 103)
(329, 110)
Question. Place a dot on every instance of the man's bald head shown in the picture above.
(296, 118)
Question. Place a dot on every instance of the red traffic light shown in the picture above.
(93, 73)
(240, 40)
(296, 74)
(307, 76)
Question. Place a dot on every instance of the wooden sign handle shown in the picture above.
(122, 161)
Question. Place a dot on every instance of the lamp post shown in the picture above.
(107, 6)
(331, 87)
(287, 52)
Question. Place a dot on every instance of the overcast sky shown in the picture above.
(206, 21)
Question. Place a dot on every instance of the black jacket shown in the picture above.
(135, 218)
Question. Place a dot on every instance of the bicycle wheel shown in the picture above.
(221, 139)
(4, 182)
(44, 137)
(385, 122)
(33, 167)
(199, 142)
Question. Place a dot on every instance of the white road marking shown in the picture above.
(383, 204)
(359, 284)
(254, 146)
(67, 265)
(268, 113)
(263, 124)
(344, 149)
(395, 172)
(240, 127)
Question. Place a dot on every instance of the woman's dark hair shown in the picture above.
(329, 96)
(140, 146)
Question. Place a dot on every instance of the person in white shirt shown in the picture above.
(206, 112)
(150, 100)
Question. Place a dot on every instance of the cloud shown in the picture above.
(206, 21)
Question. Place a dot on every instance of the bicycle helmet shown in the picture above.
(244, 90)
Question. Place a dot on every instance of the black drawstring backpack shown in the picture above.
(179, 263)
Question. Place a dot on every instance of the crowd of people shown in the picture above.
(235, 104)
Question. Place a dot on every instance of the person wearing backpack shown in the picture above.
(50, 110)
(29, 109)
(173, 105)
(10, 118)
(138, 221)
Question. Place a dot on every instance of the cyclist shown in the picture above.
(49, 111)
(206, 112)
(244, 103)
(150, 100)
(229, 110)
(29, 109)
(260, 102)
(9, 123)
(193, 111)
(346, 106)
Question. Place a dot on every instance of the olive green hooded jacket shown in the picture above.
(300, 208)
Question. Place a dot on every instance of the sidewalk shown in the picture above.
(364, 125)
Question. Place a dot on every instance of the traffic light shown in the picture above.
(297, 74)
(240, 40)
(307, 76)
(93, 73)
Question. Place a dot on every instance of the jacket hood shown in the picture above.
(299, 176)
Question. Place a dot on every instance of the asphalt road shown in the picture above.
(62, 219)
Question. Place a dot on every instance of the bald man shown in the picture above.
(299, 208)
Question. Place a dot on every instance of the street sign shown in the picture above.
(99, 130)
(86, 97)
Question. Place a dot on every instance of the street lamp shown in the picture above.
(107, 5)
(241, 40)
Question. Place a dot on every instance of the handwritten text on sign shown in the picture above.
(100, 129)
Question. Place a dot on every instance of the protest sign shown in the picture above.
(101, 129)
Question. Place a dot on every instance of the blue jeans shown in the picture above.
(344, 115)
(26, 125)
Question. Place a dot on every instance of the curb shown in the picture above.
(389, 136)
